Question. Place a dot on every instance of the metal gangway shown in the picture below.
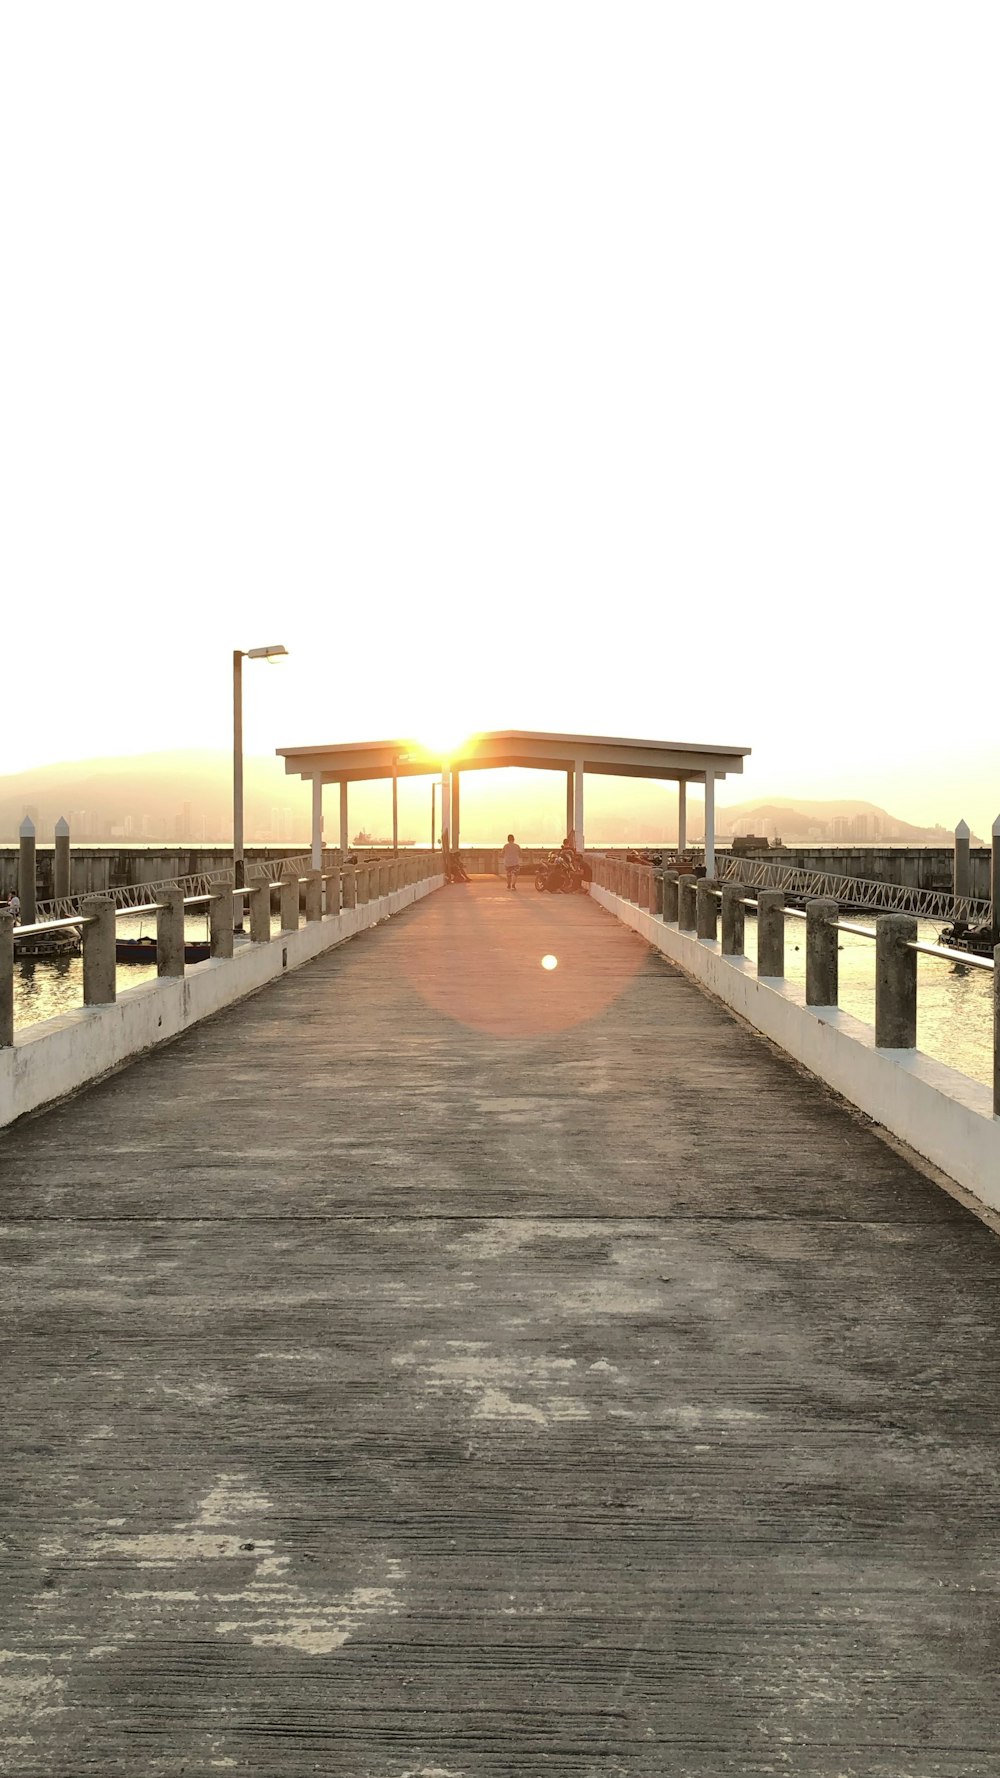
(140, 895)
(859, 892)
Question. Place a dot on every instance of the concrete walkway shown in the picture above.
(443, 1366)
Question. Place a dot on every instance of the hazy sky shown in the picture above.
(622, 368)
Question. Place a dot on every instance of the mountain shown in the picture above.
(831, 822)
(186, 797)
(154, 796)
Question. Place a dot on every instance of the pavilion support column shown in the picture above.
(445, 809)
(710, 824)
(455, 822)
(682, 815)
(317, 822)
(570, 817)
(578, 839)
(344, 829)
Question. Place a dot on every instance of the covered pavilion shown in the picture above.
(355, 762)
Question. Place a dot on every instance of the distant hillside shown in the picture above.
(155, 796)
(833, 822)
(187, 797)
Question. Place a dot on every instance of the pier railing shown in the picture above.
(693, 906)
(319, 894)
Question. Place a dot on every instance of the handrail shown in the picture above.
(349, 886)
(37, 926)
(952, 956)
(896, 979)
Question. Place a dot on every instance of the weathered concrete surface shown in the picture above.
(437, 1365)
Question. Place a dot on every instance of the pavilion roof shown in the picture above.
(614, 755)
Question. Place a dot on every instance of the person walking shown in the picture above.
(510, 858)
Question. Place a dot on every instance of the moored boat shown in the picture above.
(143, 950)
(960, 936)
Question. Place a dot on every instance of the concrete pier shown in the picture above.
(444, 1365)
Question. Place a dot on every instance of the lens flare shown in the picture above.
(549, 962)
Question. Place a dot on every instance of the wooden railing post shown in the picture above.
(733, 921)
(349, 885)
(220, 922)
(687, 919)
(706, 908)
(771, 933)
(170, 933)
(289, 904)
(996, 1031)
(822, 963)
(332, 882)
(260, 913)
(671, 884)
(6, 980)
(314, 896)
(99, 974)
(895, 983)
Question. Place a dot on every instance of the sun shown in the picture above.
(444, 743)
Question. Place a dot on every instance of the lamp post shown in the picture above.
(273, 652)
(398, 759)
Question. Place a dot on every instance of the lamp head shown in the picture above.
(272, 652)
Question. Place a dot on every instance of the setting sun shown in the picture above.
(444, 744)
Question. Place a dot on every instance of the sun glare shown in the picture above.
(444, 744)
(549, 962)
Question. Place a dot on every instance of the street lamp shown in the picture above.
(274, 651)
(398, 759)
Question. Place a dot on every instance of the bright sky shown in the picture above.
(630, 369)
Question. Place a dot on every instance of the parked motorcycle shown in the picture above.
(559, 875)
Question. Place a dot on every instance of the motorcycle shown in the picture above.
(559, 875)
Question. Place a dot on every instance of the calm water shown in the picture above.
(954, 1002)
(55, 984)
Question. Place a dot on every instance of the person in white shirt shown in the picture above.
(14, 906)
(510, 858)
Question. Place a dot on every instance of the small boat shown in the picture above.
(65, 943)
(979, 940)
(143, 950)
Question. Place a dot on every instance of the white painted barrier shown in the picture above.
(57, 1056)
(943, 1115)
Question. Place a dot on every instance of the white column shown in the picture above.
(345, 832)
(578, 806)
(317, 822)
(445, 808)
(709, 824)
(682, 815)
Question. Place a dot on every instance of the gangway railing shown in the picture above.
(693, 905)
(129, 898)
(860, 892)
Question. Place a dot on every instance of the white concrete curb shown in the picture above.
(59, 1055)
(943, 1115)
